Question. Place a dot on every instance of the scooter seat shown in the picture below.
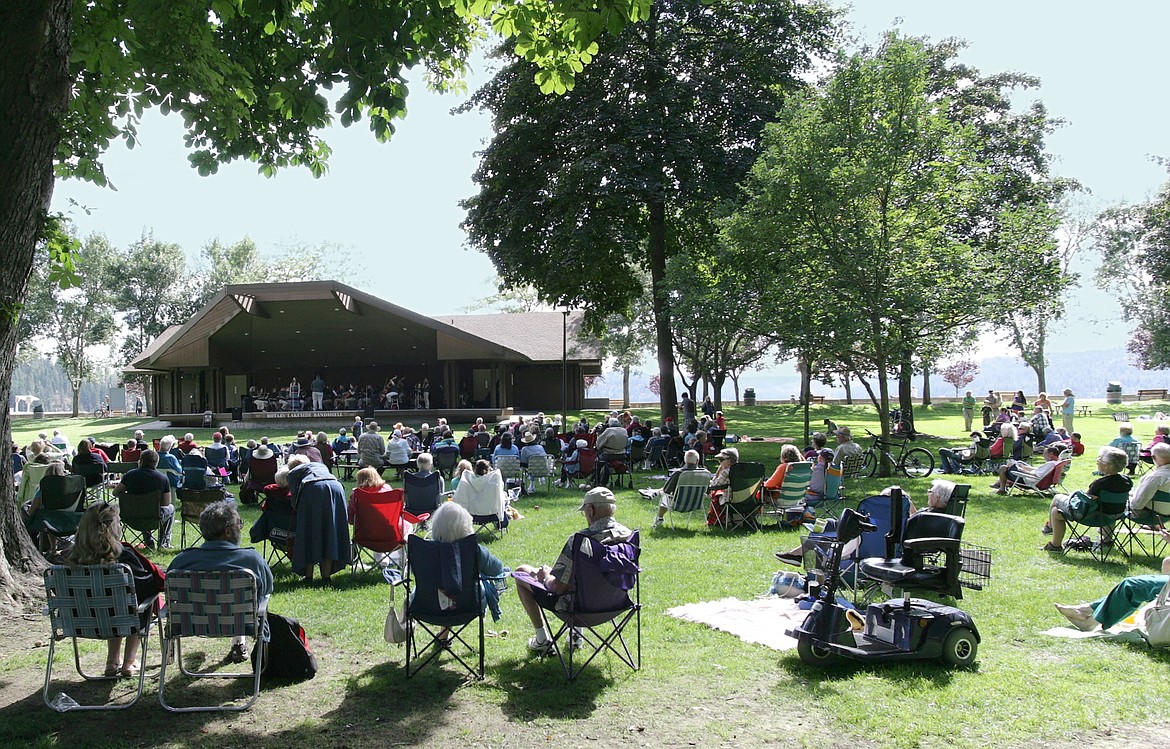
(894, 572)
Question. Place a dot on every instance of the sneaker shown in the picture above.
(790, 558)
(576, 641)
(540, 647)
(1081, 616)
(658, 521)
(238, 653)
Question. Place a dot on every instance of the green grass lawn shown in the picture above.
(697, 685)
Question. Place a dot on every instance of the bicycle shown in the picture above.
(917, 462)
(102, 412)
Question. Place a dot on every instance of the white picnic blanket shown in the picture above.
(760, 621)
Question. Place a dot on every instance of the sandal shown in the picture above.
(129, 672)
(112, 670)
(1050, 547)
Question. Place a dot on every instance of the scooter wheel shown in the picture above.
(960, 647)
(813, 655)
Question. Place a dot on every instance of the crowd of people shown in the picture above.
(397, 392)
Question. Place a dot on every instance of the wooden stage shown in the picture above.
(285, 421)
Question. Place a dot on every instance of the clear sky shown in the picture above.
(392, 209)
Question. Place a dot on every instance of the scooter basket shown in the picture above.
(975, 566)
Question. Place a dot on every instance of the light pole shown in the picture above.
(565, 370)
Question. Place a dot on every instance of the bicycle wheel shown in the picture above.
(869, 463)
(97, 414)
(917, 463)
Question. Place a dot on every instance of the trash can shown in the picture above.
(749, 397)
(1113, 393)
(38, 411)
(237, 414)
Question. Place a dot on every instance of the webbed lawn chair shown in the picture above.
(598, 607)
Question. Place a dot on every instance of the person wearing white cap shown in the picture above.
(846, 447)
(599, 507)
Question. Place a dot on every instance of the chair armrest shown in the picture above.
(416, 519)
(146, 605)
(926, 544)
(262, 607)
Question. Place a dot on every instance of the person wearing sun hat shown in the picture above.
(599, 507)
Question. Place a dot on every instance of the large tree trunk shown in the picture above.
(667, 394)
(847, 381)
(626, 387)
(34, 95)
(926, 384)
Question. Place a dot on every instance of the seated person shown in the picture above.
(187, 444)
(482, 493)
(1142, 497)
(531, 448)
(142, 480)
(1110, 463)
(816, 485)
(451, 523)
(1126, 442)
(196, 472)
(131, 452)
(1010, 471)
(571, 464)
(506, 447)
(460, 467)
(939, 495)
(371, 447)
(219, 523)
(341, 442)
(1161, 434)
(99, 541)
(720, 484)
(276, 510)
(217, 455)
(691, 463)
(819, 441)
(426, 466)
(1125, 598)
(168, 462)
(788, 454)
(599, 507)
(953, 458)
(1006, 431)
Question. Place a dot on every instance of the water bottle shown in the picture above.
(63, 703)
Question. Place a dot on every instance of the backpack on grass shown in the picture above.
(289, 657)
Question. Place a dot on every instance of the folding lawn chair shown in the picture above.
(445, 461)
(1027, 483)
(540, 468)
(213, 604)
(1110, 511)
(957, 504)
(743, 505)
(192, 503)
(833, 500)
(690, 493)
(791, 494)
(60, 511)
(94, 602)
(377, 526)
(141, 513)
(597, 608)
(510, 469)
(1141, 526)
(421, 495)
(446, 595)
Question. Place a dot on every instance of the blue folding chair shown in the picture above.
(446, 595)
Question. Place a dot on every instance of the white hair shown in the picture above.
(691, 457)
(425, 462)
(450, 523)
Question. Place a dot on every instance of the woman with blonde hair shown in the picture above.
(99, 541)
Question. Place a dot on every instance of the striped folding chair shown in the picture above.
(94, 602)
(217, 604)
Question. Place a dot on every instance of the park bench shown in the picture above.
(1152, 394)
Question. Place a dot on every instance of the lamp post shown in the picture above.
(565, 370)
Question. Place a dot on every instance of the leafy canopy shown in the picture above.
(249, 77)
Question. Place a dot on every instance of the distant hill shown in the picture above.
(1086, 372)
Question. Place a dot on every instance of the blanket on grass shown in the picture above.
(761, 621)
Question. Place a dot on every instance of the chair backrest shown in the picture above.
(449, 568)
(1054, 476)
(745, 481)
(192, 502)
(834, 478)
(446, 459)
(118, 469)
(194, 477)
(1133, 451)
(1160, 503)
(62, 492)
(467, 445)
(637, 451)
(982, 450)
(94, 474)
(30, 480)
(92, 601)
(794, 488)
(1112, 503)
(509, 466)
(602, 576)
(690, 492)
(140, 512)
(878, 506)
(933, 525)
(217, 457)
(377, 519)
(421, 492)
(211, 603)
(586, 460)
(1121, 415)
(262, 471)
(540, 466)
(957, 504)
(483, 439)
(851, 466)
(657, 455)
